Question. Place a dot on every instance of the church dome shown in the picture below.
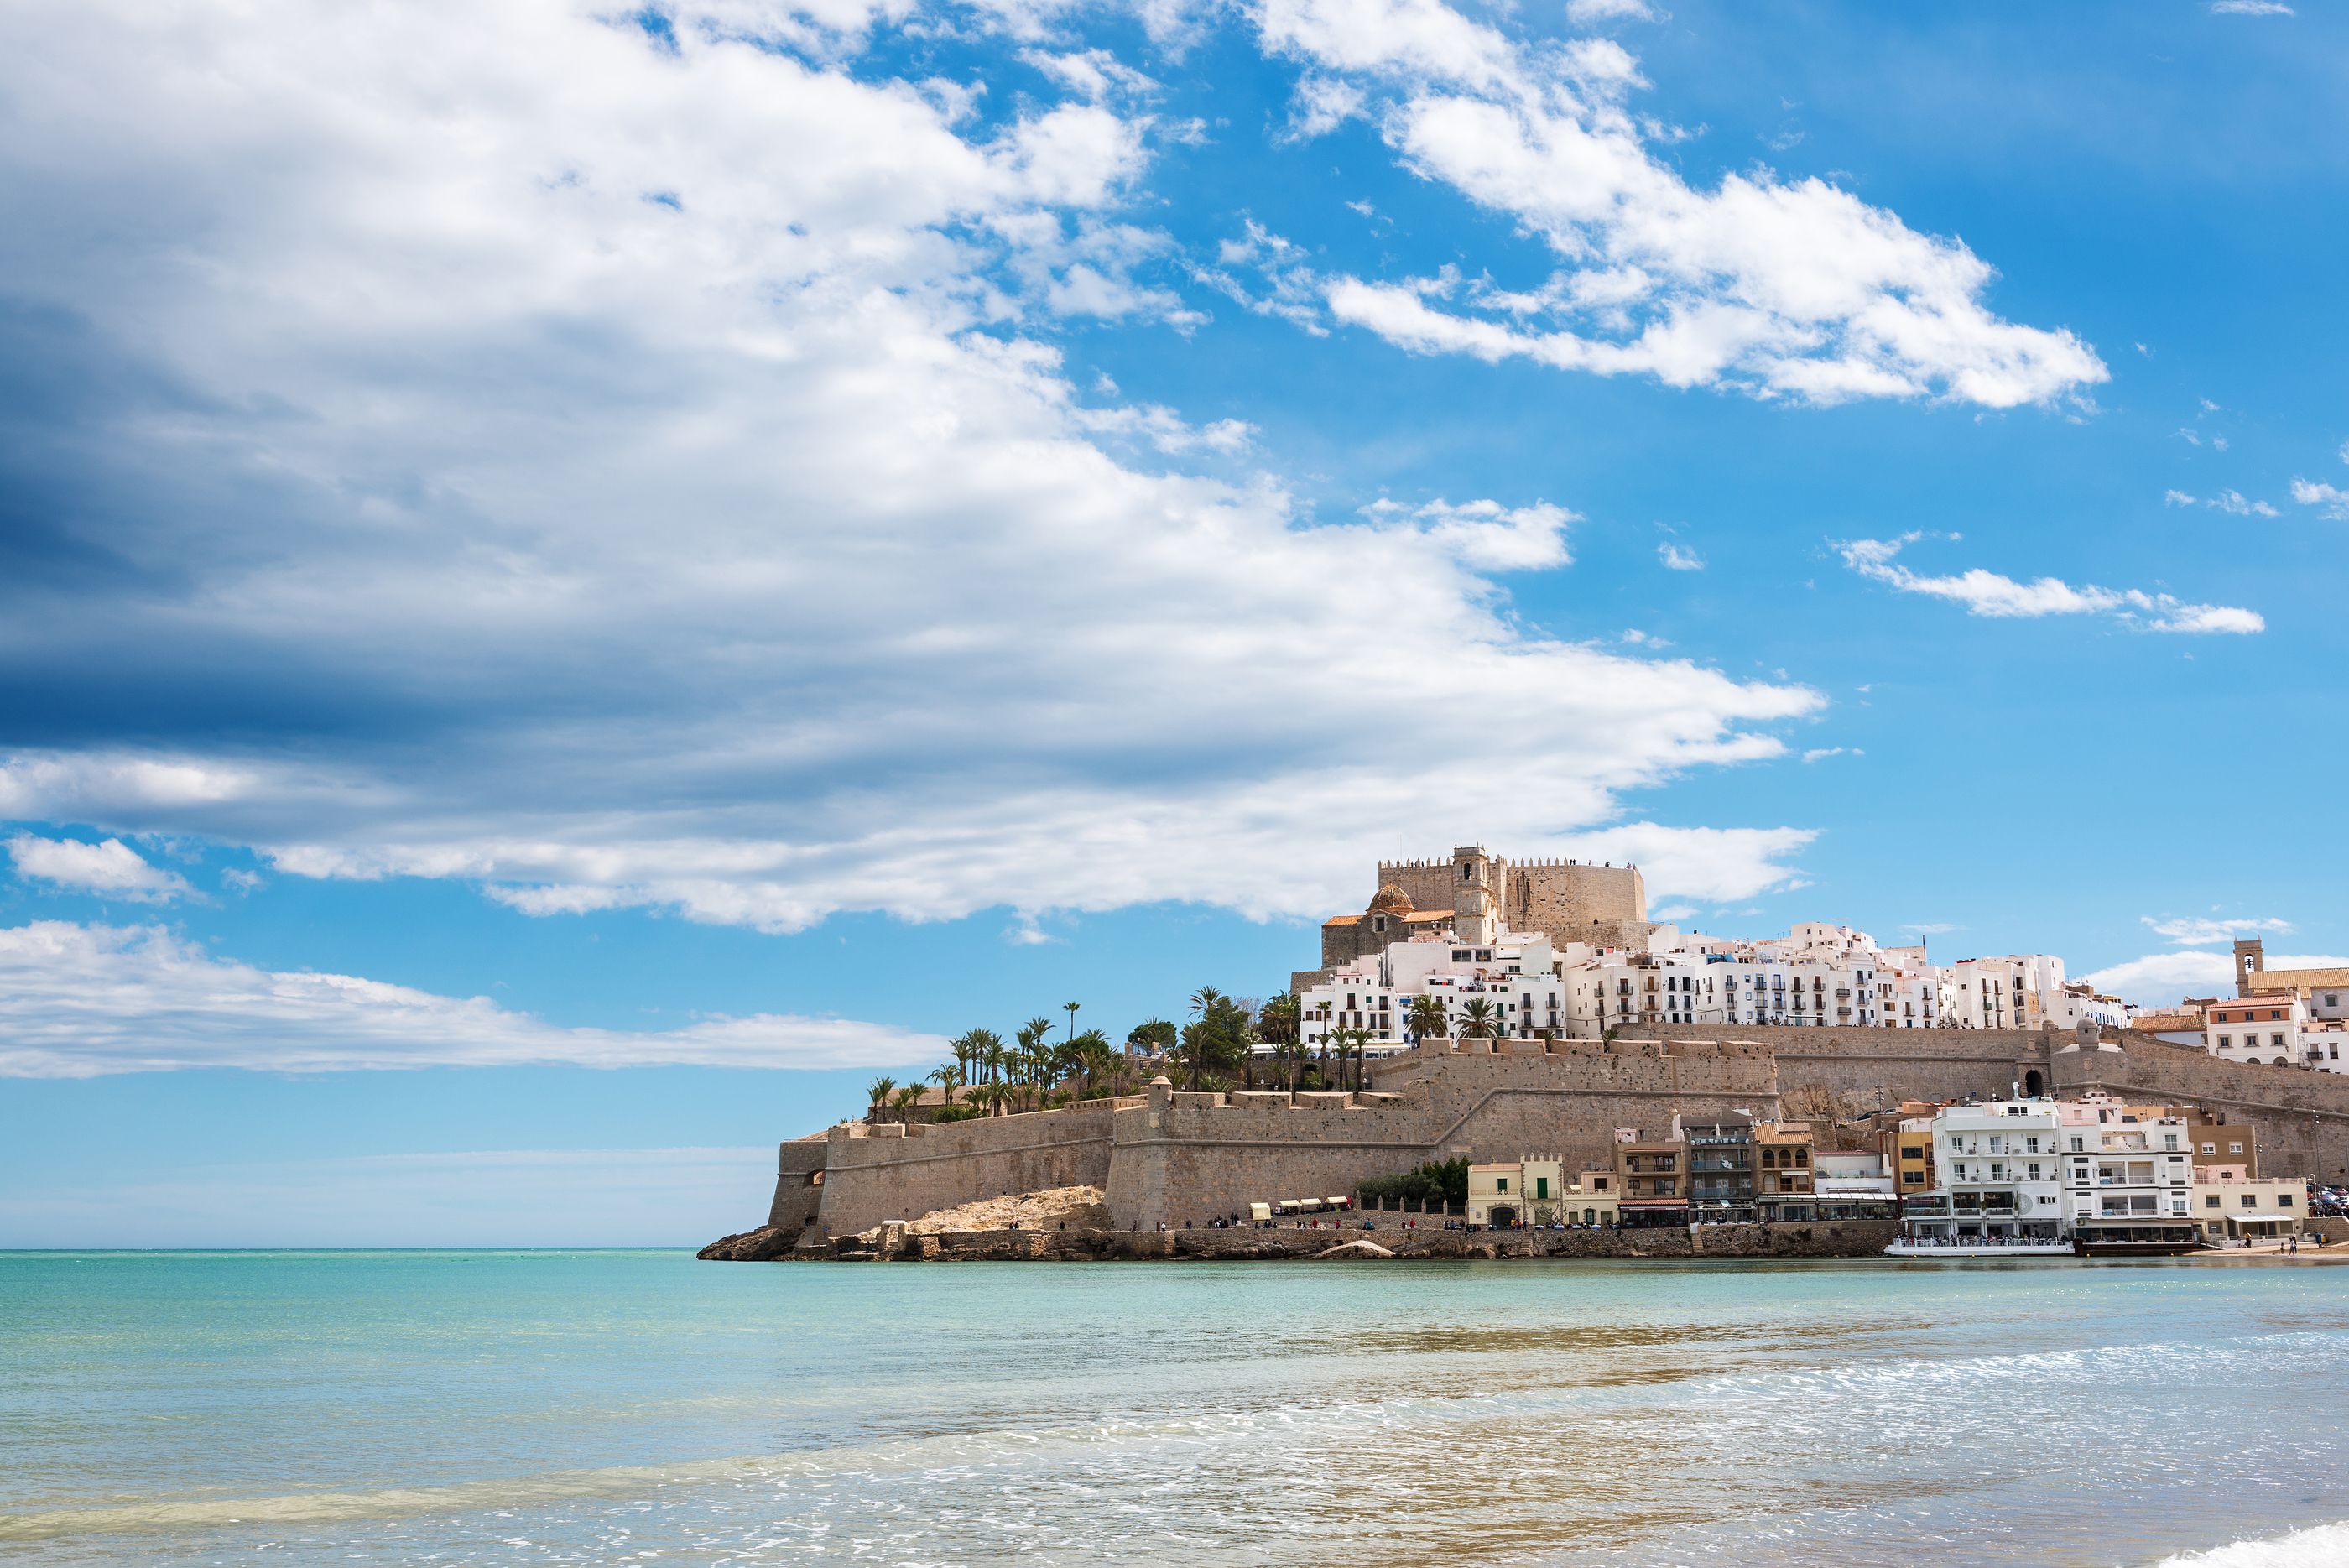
(1390, 900)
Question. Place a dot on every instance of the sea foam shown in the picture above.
(2324, 1546)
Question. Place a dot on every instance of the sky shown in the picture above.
(579, 582)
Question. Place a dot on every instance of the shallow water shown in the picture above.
(605, 1407)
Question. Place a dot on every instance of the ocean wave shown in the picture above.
(2324, 1546)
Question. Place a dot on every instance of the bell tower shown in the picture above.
(1475, 900)
(2251, 957)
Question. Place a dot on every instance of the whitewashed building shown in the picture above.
(1514, 973)
(2118, 1167)
(1999, 1175)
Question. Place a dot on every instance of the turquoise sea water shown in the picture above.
(610, 1407)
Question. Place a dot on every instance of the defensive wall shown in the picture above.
(1174, 1156)
(1831, 1073)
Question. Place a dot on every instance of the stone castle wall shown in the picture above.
(1828, 1073)
(1177, 1156)
(890, 1172)
(1569, 902)
(1198, 1156)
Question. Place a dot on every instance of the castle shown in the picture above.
(1177, 1158)
(1478, 895)
(1171, 1158)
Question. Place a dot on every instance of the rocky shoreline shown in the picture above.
(1849, 1239)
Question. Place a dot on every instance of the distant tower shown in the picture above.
(1475, 902)
(2251, 957)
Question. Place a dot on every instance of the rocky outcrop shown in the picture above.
(757, 1246)
(897, 1243)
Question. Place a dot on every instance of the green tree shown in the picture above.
(1156, 1038)
(1425, 1016)
(878, 1092)
(1480, 1020)
(948, 1077)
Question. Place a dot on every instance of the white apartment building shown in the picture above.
(2019, 990)
(2001, 1174)
(2120, 1167)
(1514, 973)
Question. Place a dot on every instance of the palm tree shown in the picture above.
(905, 1099)
(1070, 1008)
(877, 1091)
(1423, 1017)
(949, 1076)
(1479, 1020)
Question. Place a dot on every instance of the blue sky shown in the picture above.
(577, 585)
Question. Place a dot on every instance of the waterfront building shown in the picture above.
(2018, 991)
(2231, 1210)
(1999, 1177)
(1782, 1172)
(1651, 1176)
(1528, 1190)
(1721, 1168)
(2122, 1170)
(1593, 1198)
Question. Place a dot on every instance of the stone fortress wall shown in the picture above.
(1178, 1156)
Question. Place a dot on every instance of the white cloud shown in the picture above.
(1709, 864)
(1784, 289)
(2158, 980)
(2329, 499)
(1584, 13)
(1678, 559)
(2192, 932)
(110, 869)
(81, 1000)
(2251, 8)
(2233, 502)
(1319, 106)
(1933, 929)
(750, 556)
(1821, 754)
(2176, 498)
(1487, 536)
(1986, 593)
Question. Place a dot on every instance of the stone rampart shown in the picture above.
(873, 1174)
(798, 1184)
(1194, 1157)
(1828, 1075)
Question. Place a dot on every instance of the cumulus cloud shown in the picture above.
(1780, 289)
(2195, 931)
(619, 470)
(82, 1001)
(2158, 980)
(1680, 560)
(1987, 593)
(2233, 502)
(112, 869)
(2331, 500)
(1585, 13)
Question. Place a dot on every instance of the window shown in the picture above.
(2234, 1148)
(2224, 1041)
(2284, 1200)
(2275, 1039)
(2210, 1200)
(2209, 1148)
(2251, 1200)
(1504, 1185)
(2077, 1146)
(2169, 1140)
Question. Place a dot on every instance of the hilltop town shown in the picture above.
(1495, 1048)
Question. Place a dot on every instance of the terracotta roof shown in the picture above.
(2297, 979)
(1341, 920)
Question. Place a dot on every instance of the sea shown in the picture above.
(641, 1407)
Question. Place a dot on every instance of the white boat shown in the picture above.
(1907, 1246)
